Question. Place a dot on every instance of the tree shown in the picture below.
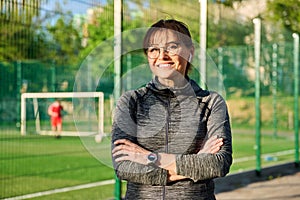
(222, 29)
(286, 13)
(63, 37)
(98, 27)
(65, 42)
(20, 37)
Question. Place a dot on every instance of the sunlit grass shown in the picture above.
(35, 163)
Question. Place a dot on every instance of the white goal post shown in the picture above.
(45, 95)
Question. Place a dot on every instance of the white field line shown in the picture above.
(60, 190)
(280, 153)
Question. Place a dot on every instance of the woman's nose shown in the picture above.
(162, 53)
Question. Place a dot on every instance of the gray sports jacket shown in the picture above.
(176, 121)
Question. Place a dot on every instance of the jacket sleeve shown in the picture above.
(124, 127)
(205, 165)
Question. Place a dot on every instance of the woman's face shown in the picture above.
(167, 55)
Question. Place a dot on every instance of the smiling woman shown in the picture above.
(177, 51)
(166, 61)
(171, 138)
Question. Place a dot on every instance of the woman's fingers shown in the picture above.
(123, 147)
(127, 145)
(124, 141)
(216, 147)
(127, 150)
(212, 145)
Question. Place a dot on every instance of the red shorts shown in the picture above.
(56, 121)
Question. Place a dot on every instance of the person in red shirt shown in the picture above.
(55, 112)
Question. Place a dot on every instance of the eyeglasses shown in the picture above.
(171, 49)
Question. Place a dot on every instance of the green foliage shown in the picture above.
(99, 28)
(227, 32)
(223, 26)
(20, 37)
(226, 2)
(65, 42)
(285, 12)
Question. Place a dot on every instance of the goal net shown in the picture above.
(82, 115)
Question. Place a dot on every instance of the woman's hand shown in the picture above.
(212, 145)
(127, 150)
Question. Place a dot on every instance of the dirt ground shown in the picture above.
(281, 182)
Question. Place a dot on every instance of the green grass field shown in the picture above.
(35, 163)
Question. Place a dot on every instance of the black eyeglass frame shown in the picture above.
(168, 49)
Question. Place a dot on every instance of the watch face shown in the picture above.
(152, 157)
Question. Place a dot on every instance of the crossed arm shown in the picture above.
(127, 150)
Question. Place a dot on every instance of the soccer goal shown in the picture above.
(83, 113)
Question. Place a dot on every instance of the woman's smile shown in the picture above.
(165, 65)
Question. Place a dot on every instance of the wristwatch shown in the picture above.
(152, 158)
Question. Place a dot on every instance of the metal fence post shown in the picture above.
(257, 41)
(274, 86)
(117, 71)
(18, 91)
(296, 96)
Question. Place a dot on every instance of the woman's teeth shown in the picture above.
(164, 65)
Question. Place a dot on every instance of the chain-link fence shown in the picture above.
(29, 69)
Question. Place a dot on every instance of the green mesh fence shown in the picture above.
(27, 70)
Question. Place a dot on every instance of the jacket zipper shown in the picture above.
(167, 126)
(167, 138)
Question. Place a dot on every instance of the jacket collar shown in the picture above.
(191, 88)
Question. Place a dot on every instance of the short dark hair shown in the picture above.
(179, 27)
